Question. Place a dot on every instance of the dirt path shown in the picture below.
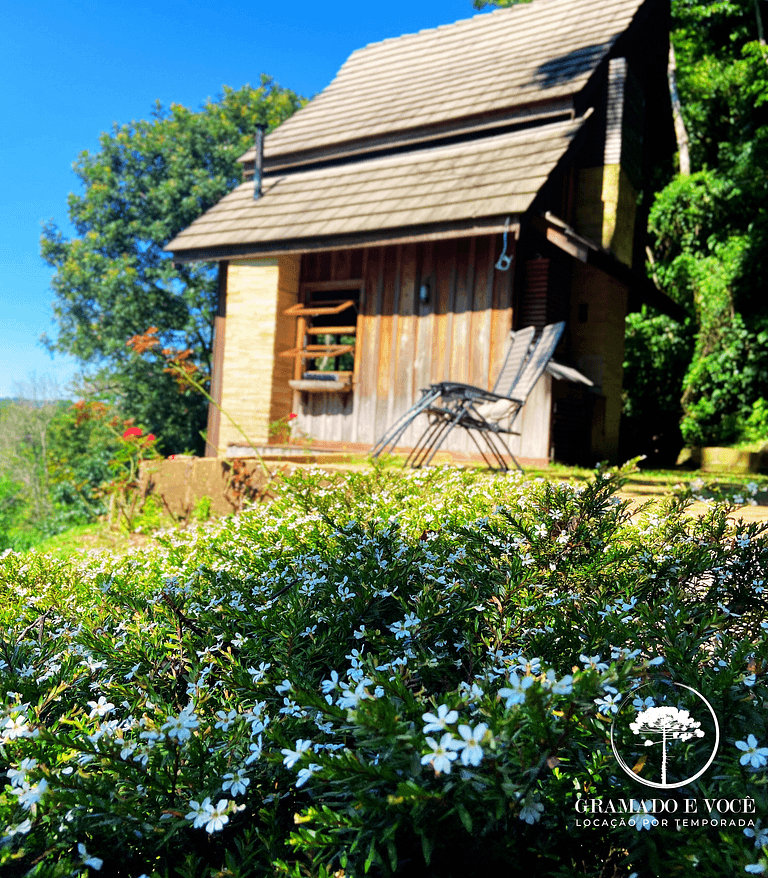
(746, 513)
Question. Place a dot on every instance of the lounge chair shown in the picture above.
(517, 353)
(487, 413)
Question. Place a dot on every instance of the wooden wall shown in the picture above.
(404, 344)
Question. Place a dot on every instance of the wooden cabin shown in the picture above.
(448, 186)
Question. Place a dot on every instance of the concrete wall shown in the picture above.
(181, 482)
(598, 309)
(254, 382)
(605, 208)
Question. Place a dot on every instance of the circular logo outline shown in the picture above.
(667, 786)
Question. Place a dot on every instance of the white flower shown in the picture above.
(595, 662)
(471, 751)
(181, 726)
(18, 775)
(531, 811)
(217, 817)
(445, 716)
(515, 693)
(305, 773)
(101, 707)
(93, 862)
(759, 833)
(442, 755)
(349, 698)
(332, 684)
(30, 795)
(755, 868)
(226, 719)
(609, 703)
(284, 687)
(255, 751)
(563, 686)
(20, 828)
(16, 727)
(199, 812)
(402, 629)
(235, 782)
(293, 756)
(258, 673)
(644, 820)
(643, 703)
(753, 755)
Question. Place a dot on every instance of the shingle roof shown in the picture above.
(488, 177)
(490, 63)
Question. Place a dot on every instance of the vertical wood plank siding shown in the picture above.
(404, 343)
(285, 329)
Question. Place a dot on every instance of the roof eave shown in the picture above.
(642, 290)
(534, 112)
(378, 238)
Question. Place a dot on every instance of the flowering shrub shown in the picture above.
(384, 674)
(126, 502)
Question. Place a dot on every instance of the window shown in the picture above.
(325, 337)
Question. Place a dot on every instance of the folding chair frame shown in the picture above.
(452, 404)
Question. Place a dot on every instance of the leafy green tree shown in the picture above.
(710, 229)
(148, 181)
(709, 234)
(481, 4)
(25, 445)
(657, 351)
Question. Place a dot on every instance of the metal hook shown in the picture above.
(504, 260)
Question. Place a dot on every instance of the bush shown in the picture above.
(726, 377)
(379, 673)
(657, 353)
(755, 428)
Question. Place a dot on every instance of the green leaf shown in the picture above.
(465, 817)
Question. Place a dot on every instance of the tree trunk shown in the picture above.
(759, 17)
(680, 133)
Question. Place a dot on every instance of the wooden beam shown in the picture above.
(319, 286)
(319, 310)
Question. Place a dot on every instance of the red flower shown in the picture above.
(150, 438)
(292, 416)
(132, 431)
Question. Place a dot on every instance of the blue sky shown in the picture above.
(71, 69)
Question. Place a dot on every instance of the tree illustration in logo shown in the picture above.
(671, 724)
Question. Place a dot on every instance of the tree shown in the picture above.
(671, 723)
(710, 229)
(148, 181)
(25, 426)
(500, 4)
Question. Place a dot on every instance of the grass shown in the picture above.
(91, 537)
